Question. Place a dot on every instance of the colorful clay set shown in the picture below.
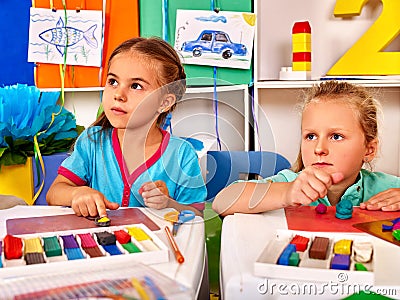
(319, 255)
(35, 253)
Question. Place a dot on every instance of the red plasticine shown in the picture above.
(12, 247)
(300, 242)
(122, 236)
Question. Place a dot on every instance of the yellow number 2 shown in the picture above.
(366, 56)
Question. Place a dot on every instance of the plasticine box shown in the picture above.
(316, 270)
(63, 260)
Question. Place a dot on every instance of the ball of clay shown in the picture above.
(344, 209)
(321, 208)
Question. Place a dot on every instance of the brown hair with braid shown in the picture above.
(163, 59)
(364, 105)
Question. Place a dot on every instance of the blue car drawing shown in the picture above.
(214, 41)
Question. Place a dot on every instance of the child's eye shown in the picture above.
(136, 86)
(337, 137)
(111, 82)
(310, 137)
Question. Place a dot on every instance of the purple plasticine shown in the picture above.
(69, 241)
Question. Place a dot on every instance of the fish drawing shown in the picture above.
(64, 36)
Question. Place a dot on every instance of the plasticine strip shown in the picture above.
(12, 247)
(142, 237)
(33, 245)
(93, 251)
(69, 241)
(138, 234)
(319, 248)
(87, 240)
(106, 238)
(33, 258)
(52, 246)
(122, 236)
(73, 253)
(112, 249)
(131, 247)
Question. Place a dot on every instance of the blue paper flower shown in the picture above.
(25, 111)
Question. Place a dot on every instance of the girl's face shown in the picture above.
(126, 98)
(333, 140)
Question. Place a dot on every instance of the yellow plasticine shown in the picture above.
(301, 38)
(138, 234)
(33, 245)
(103, 219)
(343, 247)
(301, 66)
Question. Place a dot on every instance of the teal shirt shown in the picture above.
(368, 184)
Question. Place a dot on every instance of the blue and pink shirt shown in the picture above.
(97, 161)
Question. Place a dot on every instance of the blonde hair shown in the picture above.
(364, 105)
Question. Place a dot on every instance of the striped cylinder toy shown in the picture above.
(301, 46)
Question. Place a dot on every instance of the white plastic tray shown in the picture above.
(312, 269)
(18, 267)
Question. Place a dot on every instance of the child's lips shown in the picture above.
(321, 165)
(118, 110)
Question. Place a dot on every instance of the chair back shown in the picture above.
(225, 167)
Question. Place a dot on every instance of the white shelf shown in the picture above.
(71, 90)
(190, 90)
(281, 84)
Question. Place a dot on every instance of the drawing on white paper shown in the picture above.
(223, 39)
(75, 38)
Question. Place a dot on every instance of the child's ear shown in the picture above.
(167, 102)
(371, 150)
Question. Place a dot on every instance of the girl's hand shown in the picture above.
(388, 200)
(89, 202)
(155, 194)
(311, 184)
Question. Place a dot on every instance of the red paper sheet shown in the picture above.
(70, 222)
(306, 219)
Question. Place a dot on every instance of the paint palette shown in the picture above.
(51, 251)
(318, 256)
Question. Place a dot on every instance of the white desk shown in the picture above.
(243, 239)
(191, 241)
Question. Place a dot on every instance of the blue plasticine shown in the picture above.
(340, 262)
(285, 255)
(395, 221)
(73, 253)
(112, 249)
(344, 209)
(387, 227)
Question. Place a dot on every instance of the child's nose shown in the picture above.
(321, 147)
(119, 97)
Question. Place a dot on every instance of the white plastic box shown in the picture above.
(18, 267)
(316, 270)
